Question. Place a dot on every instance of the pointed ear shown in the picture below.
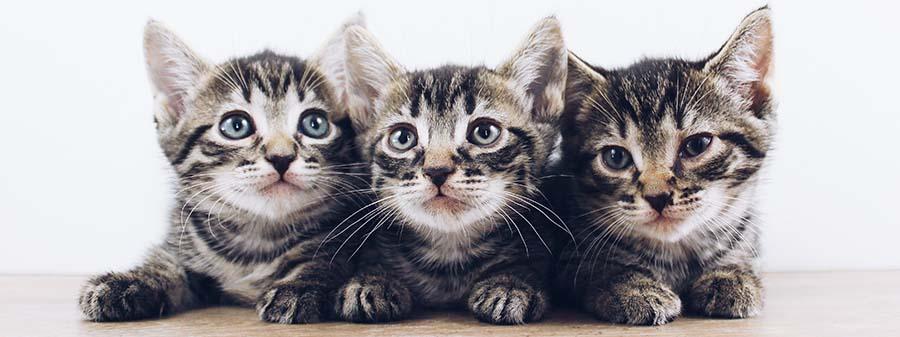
(174, 70)
(331, 61)
(367, 72)
(581, 77)
(745, 60)
(538, 70)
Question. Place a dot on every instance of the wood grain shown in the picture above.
(798, 304)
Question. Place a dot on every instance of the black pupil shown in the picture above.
(616, 157)
(403, 137)
(483, 131)
(237, 123)
(315, 122)
(697, 145)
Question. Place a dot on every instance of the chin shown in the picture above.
(674, 229)
(445, 215)
(666, 229)
(280, 204)
(444, 206)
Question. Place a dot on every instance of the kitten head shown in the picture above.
(665, 146)
(262, 135)
(453, 147)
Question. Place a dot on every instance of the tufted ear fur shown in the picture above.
(745, 60)
(367, 72)
(174, 70)
(332, 60)
(581, 78)
(537, 70)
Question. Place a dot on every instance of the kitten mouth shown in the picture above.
(444, 203)
(279, 188)
(663, 222)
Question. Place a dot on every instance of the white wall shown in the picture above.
(84, 188)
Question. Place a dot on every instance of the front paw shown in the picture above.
(373, 299)
(728, 294)
(118, 297)
(644, 303)
(507, 300)
(291, 304)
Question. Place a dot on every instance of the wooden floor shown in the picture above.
(798, 304)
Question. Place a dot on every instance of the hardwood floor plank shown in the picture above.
(797, 304)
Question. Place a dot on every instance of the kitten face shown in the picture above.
(667, 147)
(269, 138)
(257, 135)
(454, 149)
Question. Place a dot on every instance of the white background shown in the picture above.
(84, 187)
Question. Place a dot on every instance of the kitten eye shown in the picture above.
(616, 157)
(314, 124)
(402, 138)
(484, 133)
(236, 125)
(695, 145)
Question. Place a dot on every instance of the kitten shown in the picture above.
(456, 154)
(665, 155)
(260, 146)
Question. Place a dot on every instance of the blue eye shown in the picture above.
(402, 138)
(695, 145)
(616, 157)
(236, 125)
(314, 123)
(484, 133)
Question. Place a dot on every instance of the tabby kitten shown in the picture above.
(456, 154)
(665, 155)
(260, 146)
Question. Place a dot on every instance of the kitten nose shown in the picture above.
(438, 175)
(281, 163)
(659, 201)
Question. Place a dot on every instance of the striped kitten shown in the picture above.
(666, 155)
(455, 155)
(260, 146)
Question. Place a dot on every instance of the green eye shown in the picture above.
(616, 157)
(695, 145)
(484, 133)
(236, 125)
(314, 123)
(402, 138)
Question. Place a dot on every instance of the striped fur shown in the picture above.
(480, 247)
(634, 263)
(241, 232)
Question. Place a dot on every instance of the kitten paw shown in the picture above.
(727, 294)
(373, 299)
(117, 297)
(292, 304)
(646, 303)
(507, 300)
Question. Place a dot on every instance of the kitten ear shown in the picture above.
(174, 71)
(331, 60)
(581, 77)
(538, 70)
(746, 59)
(369, 73)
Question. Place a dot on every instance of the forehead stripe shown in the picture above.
(470, 102)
